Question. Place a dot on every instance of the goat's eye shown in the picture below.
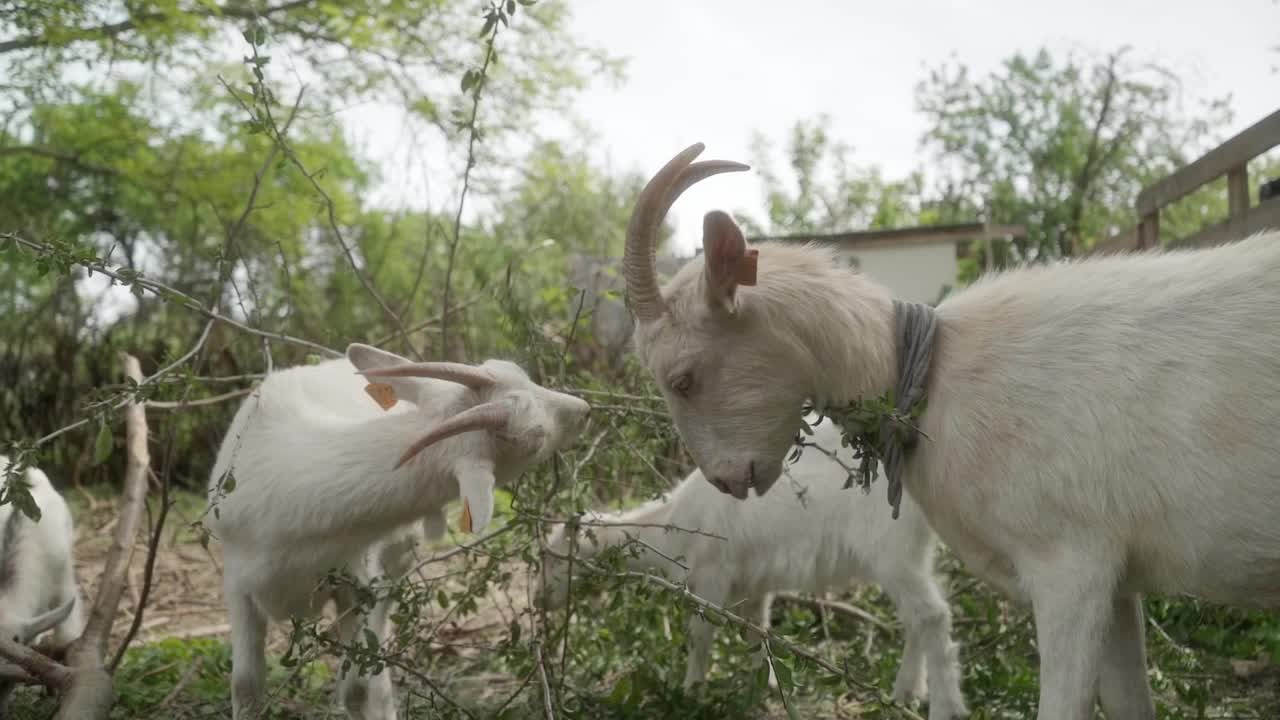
(683, 385)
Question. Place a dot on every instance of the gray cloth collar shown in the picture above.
(915, 324)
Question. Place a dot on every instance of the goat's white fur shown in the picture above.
(809, 536)
(1097, 429)
(38, 588)
(312, 458)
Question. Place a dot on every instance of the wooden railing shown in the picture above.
(1231, 159)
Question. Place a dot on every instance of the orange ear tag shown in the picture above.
(383, 394)
(464, 522)
(747, 268)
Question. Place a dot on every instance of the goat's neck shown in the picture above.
(368, 493)
(844, 331)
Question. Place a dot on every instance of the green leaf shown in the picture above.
(469, 79)
(370, 639)
(783, 673)
(621, 690)
(21, 498)
(102, 444)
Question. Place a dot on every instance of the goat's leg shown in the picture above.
(756, 609)
(1122, 685)
(701, 635)
(1071, 602)
(364, 697)
(248, 657)
(929, 657)
(382, 696)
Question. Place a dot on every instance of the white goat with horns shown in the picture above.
(38, 589)
(313, 476)
(1096, 429)
(812, 537)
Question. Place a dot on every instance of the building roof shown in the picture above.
(962, 234)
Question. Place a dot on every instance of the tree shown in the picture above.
(1061, 145)
(216, 185)
(829, 192)
(190, 154)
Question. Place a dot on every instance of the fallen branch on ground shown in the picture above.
(835, 606)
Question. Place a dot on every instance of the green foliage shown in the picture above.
(831, 193)
(863, 424)
(1062, 145)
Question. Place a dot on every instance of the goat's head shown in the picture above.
(25, 630)
(733, 374)
(528, 422)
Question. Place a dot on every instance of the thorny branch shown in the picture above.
(162, 291)
(473, 136)
(705, 605)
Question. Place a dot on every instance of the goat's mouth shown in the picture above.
(762, 481)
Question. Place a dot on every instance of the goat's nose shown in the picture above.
(736, 488)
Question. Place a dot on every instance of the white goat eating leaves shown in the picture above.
(813, 537)
(325, 479)
(38, 589)
(1096, 429)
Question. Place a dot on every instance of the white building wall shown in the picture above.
(916, 273)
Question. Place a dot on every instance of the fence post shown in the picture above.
(1238, 191)
(1149, 231)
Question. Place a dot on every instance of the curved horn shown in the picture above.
(487, 416)
(662, 190)
(38, 624)
(472, 377)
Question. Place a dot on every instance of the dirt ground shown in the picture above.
(185, 596)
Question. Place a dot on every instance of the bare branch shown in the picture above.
(834, 605)
(180, 404)
(34, 663)
(473, 135)
(89, 694)
(167, 293)
(542, 677)
(13, 673)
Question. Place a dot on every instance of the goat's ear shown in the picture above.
(727, 263)
(476, 483)
(367, 357)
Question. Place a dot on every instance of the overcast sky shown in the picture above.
(713, 71)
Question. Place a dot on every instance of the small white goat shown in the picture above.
(317, 486)
(1095, 430)
(38, 589)
(814, 537)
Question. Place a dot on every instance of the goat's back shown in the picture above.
(1127, 403)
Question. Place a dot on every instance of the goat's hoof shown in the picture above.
(908, 690)
(949, 710)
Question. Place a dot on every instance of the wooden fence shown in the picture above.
(1231, 159)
